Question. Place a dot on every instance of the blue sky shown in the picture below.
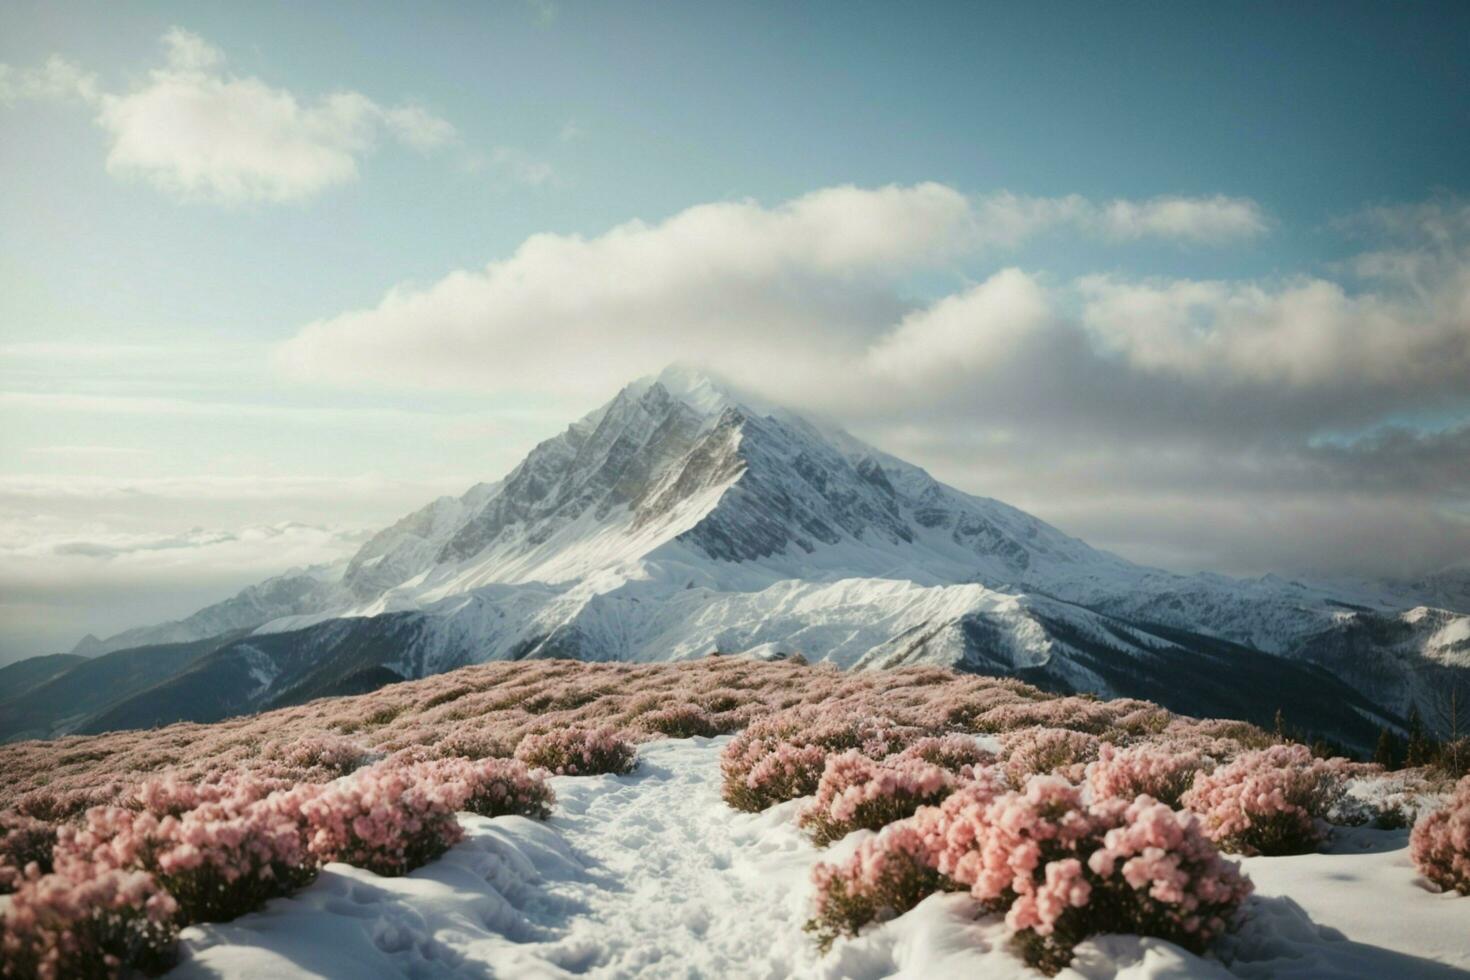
(1251, 216)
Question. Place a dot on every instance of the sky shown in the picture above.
(1189, 280)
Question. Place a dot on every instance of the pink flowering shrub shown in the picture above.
(1081, 714)
(470, 744)
(1440, 843)
(495, 787)
(1160, 771)
(476, 712)
(388, 819)
(782, 756)
(680, 721)
(96, 925)
(219, 859)
(53, 806)
(886, 876)
(171, 795)
(959, 754)
(1039, 751)
(23, 841)
(579, 752)
(1061, 870)
(856, 792)
(332, 753)
(1270, 801)
(1136, 867)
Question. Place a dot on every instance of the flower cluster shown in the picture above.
(680, 721)
(1151, 873)
(332, 754)
(1440, 843)
(959, 754)
(1041, 751)
(579, 752)
(494, 787)
(59, 927)
(886, 876)
(388, 819)
(470, 744)
(170, 795)
(1162, 771)
(23, 841)
(1270, 801)
(218, 860)
(782, 756)
(1060, 869)
(856, 792)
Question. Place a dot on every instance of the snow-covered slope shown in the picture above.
(651, 875)
(299, 590)
(682, 518)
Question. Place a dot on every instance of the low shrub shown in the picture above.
(679, 721)
(1060, 870)
(470, 744)
(579, 752)
(1157, 770)
(1440, 843)
(333, 754)
(886, 876)
(219, 859)
(496, 787)
(1150, 872)
(388, 819)
(1064, 871)
(1270, 801)
(1042, 751)
(94, 925)
(172, 795)
(781, 756)
(959, 754)
(857, 793)
(23, 841)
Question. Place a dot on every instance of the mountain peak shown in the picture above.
(706, 392)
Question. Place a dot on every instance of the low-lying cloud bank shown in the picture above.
(1322, 420)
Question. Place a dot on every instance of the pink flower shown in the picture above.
(1271, 801)
(1440, 843)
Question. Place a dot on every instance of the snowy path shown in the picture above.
(671, 888)
(651, 875)
(642, 875)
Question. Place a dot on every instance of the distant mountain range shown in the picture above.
(681, 519)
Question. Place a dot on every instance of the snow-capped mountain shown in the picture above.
(681, 519)
(299, 590)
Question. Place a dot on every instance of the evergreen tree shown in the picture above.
(1420, 747)
(1389, 751)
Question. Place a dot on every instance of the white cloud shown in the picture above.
(814, 278)
(1208, 220)
(717, 281)
(57, 80)
(514, 166)
(200, 133)
(960, 335)
(1008, 219)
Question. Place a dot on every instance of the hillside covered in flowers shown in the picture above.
(725, 816)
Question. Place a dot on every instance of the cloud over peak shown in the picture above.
(1013, 384)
